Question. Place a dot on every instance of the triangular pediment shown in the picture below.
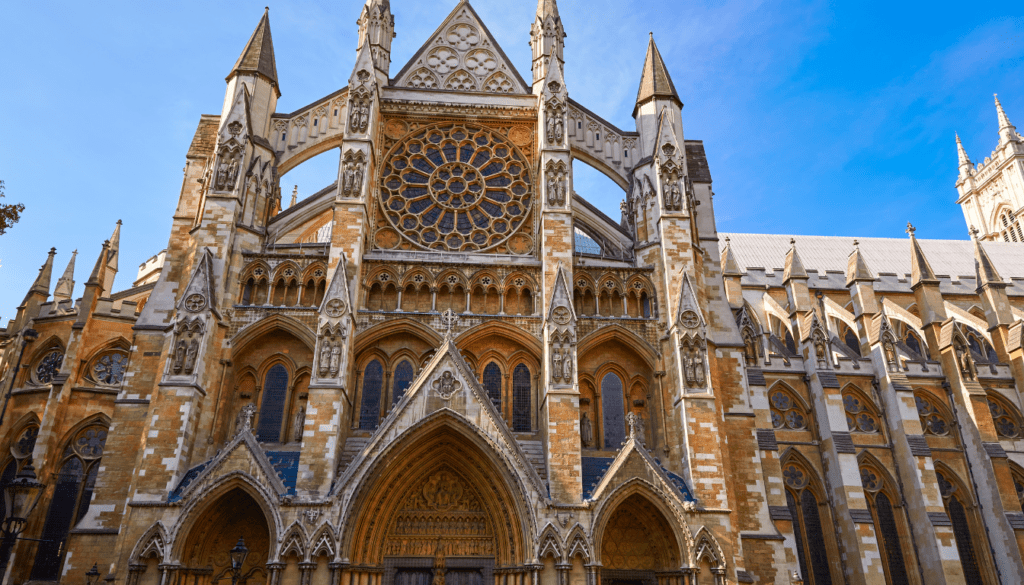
(242, 454)
(447, 386)
(633, 463)
(462, 55)
(199, 294)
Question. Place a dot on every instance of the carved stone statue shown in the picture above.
(688, 368)
(325, 358)
(559, 130)
(750, 348)
(552, 186)
(221, 180)
(335, 359)
(820, 350)
(556, 365)
(179, 356)
(232, 175)
(300, 423)
(190, 359)
(636, 426)
(551, 128)
(567, 366)
(243, 422)
(965, 361)
(357, 178)
(586, 430)
(890, 356)
(698, 367)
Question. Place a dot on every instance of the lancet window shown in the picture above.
(521, 389)
(614, 419)
(1009, 227)
(373, 381)
(21, 453)
(72, 494)
(403, 379)
(1018, 485)
(272, 405)
(851, 340)
(807, 525)
(787, 411)
(933, 421)
(1005, 418)
(880, 496)
(492, 384)
(957, 507)
(861, 416)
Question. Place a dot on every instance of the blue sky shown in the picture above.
(818, 117)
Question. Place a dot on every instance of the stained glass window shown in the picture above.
(521, 399)
(1005, 421)
(373, 380)
(109, 370)
(614, 415)
(890, 536)
(72, 495)
(275, 390)
(466, 194)
(807, 527)
(49, 366)
(492, 383)
(852, 342)
(933, 422)
(961, 528)
(403, 379)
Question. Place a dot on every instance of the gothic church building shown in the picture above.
(449, 368)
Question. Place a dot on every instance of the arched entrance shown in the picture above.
(215, 532)
(638, 545)
(442, 506)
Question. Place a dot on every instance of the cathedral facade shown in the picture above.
(447, 367)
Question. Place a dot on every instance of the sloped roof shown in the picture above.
(953, 258)
(258, 55)
(655, 81)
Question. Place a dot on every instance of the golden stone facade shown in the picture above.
(448, 368)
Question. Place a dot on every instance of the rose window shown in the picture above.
(49, 366)
(456, 188)
(110, 369)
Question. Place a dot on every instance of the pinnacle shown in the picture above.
(730, 267)
(920, 270)
(547, 8)
(857, 267)
(655, 81)
(794, 265)
(42, 283)
(961, 153)
(258, 55)
(984, 270)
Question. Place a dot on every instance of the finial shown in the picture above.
(727, 240)
(856, 244)
(652, 35)
(911, 229)
(119, 222)
(974, 232)
(53, 251)
(266, 9)
(792, 241)
(449, 319)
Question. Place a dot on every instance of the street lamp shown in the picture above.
(20, 497)
(238, 555)
(93, 576)
(27, 337)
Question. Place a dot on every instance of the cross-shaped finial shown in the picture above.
(449, 319)
(792, 242)
(911, 229)
(856, 244)
(974, 232)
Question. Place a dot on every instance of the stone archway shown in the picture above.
(216, 531)
(441, 505)
(638, 544)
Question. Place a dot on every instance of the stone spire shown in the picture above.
(547, 39)
(984, 270)
(258, 55)
(42, 284)
(856, 267)
(113, 251)
(1007, 133)
(794, 265)
(730, 267)
(377, 28)
(965, 161)
(66, 284)
(655, 81)
(920, 270)
(96, 276)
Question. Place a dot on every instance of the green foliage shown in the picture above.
(9, 213)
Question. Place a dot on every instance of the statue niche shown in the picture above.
(225, 175)
(672, 187)
(332, 341)
(353, 169)
(359, 109)
(556, 183)
(187, 338)
(555, 128)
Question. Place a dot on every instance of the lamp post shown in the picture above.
(238, 555)
(93, 576)
(20, 497)
(27, 337)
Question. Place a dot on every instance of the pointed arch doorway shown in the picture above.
(205, 552)
(449, 513)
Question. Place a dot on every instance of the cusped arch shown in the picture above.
(152, 543)
(619, 333)
(707, 548)
(578, 545)
(671, 511)
(293, 542)
(508, 477)
(323, 543)
(550, 544)
(274, 322)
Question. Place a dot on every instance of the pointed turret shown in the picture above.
(66, 284)
(984, 270)
(730, 266)
(41, 286)
(547, 39)
(732, 274)
(964, 160)
(920, 270)
(857, 268)
(377, 28)
(1007, 133)
(655, 81)
(258, 55)
(110, 269)
(96, 276)
(794, 265)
